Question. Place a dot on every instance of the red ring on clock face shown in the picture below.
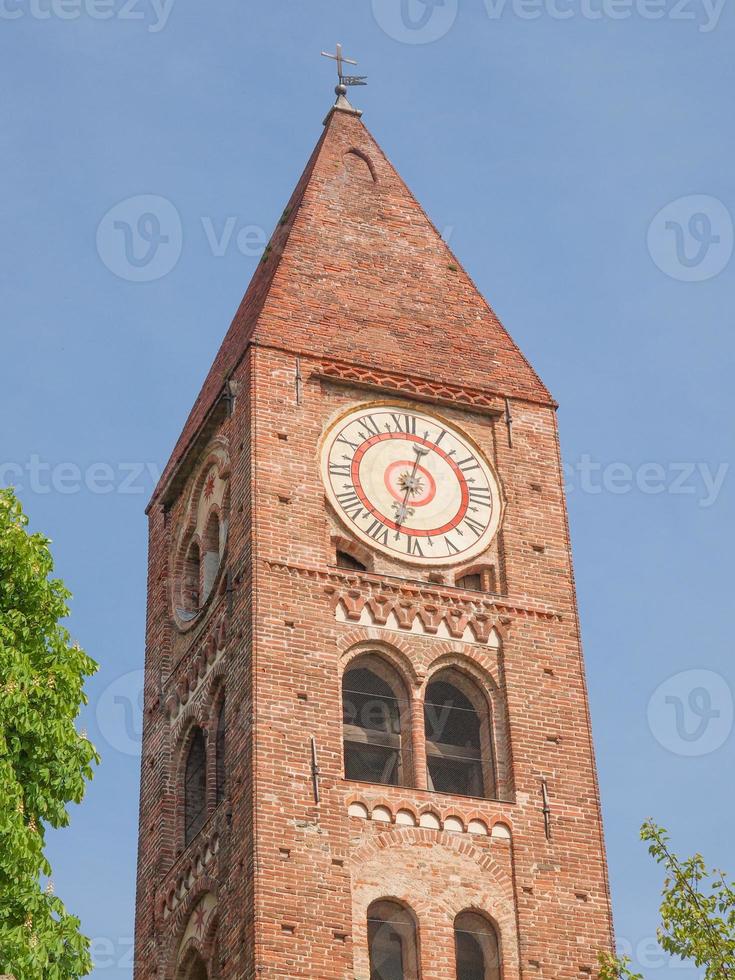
(408, 437)
(427, 483)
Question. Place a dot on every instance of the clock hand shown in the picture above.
(403, 509)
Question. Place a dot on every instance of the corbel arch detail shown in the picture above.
(200, 541)
(193, 928)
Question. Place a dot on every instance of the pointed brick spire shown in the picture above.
(356, 271)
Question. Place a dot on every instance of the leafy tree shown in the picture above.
(44, 761)
(697, 914)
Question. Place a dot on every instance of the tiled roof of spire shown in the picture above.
(356, 271)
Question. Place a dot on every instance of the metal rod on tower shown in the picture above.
(509, 422)
(315, 770)
(546, 808)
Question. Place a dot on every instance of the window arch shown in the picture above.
(392, 942)
(482, 579)
(190, 582)
(346, 560)
(221, 754)
(210, 555)
(195, 787)
(477, 950)
(374, 707)
(197, 969)
(459, 753)
(471, 583)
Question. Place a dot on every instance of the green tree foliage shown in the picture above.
(697, 914)
(44, 761)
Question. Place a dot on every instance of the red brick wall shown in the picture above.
(293, 878)
(276, 884)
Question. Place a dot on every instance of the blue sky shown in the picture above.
(576, 154)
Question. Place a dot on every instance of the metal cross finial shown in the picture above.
(341, 62)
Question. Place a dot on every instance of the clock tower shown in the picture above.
(366, 749)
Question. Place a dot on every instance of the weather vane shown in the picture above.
(345, 80)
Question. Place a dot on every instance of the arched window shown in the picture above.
(458, 739)
(477, 950)
(195, 787)
(197, 969)
(211, 554)
(345, 560)
(221, 754)
(480, 580)
(371, 713)
(392, 942)
(190, 579)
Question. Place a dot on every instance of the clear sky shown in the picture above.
(545, 138)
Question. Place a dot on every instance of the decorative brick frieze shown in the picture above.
(402, 810)
(422, 619)
(408, 593)
(196, 671)
(200, 860)
(420, 389)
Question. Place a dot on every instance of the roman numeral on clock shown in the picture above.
(404, 423)
(353, 445)
(350, 503)
(413, 547)
(480, 495)
(369, 424)
(339, 469)
(466, 465)
(378, 532)
(474, 525)
(452, 548)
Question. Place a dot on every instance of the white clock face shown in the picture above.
(410, 484)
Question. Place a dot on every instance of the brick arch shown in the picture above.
(375, 801)
(210, 936)
(390, 863)
(502, 629)
(486, 568)
(359, 551)
(455, 842)
(213, 691)
(357, 154)
(215, 455)
(191, 948)
(194, 713)
(217, 774)
(179, 922)
(488, 920)
(396, 652)
(181, 755)
(404, 910)
(415, 904)
(476, 663)
(479, 667)
(395, 670)
(483, 913)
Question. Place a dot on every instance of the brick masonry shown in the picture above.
(357, 298)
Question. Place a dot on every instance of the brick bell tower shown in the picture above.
(366, 749)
